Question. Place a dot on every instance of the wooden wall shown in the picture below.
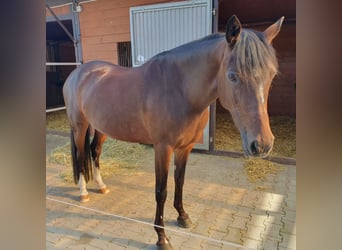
(104, 23)
(259, 15)
(59, 11)
(282, 98)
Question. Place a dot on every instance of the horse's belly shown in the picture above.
(130, 135)
(131, 131)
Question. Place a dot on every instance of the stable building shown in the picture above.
(129, 32)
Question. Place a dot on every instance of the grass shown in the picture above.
(57, 121)
(117, 158)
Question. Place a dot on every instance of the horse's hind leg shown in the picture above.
(96, 148)
(181, 157)
(81, 158)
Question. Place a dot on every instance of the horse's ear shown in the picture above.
(233, 30)
(271, 32)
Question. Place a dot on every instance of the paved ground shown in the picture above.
(223, 205)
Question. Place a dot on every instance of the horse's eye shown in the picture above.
(232, 76)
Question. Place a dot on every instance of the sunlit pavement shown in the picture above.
(226, 209)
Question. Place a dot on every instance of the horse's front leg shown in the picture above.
(181, 157)
(162, 161)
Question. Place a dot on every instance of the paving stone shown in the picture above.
(220, 200)
(243, 212)
(254, 232)
(291, 196)
(290, 215)
(234, 235)
(239, 222)
(222, 225)
(208, 245)
(229, 247)
(250, 243)
(273, 231)
(218, 235)
(50, 246)
(269, 244)
(257, 220)
(100, 243)
(289, 228)
(83, 247)
(288, 241)
(275, 218)
(65, 241)
(53, 237)
(177, 239)
(192, 243)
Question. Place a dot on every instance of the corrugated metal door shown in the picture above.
(159, 27)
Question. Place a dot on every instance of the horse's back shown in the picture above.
(110, 98)
(81, 80)
(136, 105)
(93, 69)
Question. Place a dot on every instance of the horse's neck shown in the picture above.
(201, 76)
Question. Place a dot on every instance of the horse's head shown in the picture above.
(247, 71)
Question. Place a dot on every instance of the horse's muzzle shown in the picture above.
(257, 149)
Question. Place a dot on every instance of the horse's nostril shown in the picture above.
(255, 149)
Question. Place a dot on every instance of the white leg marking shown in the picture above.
(98, 178)
(82, 185)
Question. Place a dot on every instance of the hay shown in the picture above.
(283, 127)
(57, 121)
(284, 131)
(227, 136)
(117, 158)
(257, 171)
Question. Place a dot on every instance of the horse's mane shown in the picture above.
(252, 56)
(199, 44)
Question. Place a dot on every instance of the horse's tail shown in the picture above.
(82, 163)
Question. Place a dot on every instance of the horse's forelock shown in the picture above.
(252, 57)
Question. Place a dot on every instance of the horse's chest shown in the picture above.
(192, 131)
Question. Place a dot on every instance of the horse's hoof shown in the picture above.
(167, 246)
(103, 190)
(185, 223)
(84, 198)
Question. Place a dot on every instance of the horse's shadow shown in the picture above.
(64, 192)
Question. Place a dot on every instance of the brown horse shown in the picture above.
(164, 103)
